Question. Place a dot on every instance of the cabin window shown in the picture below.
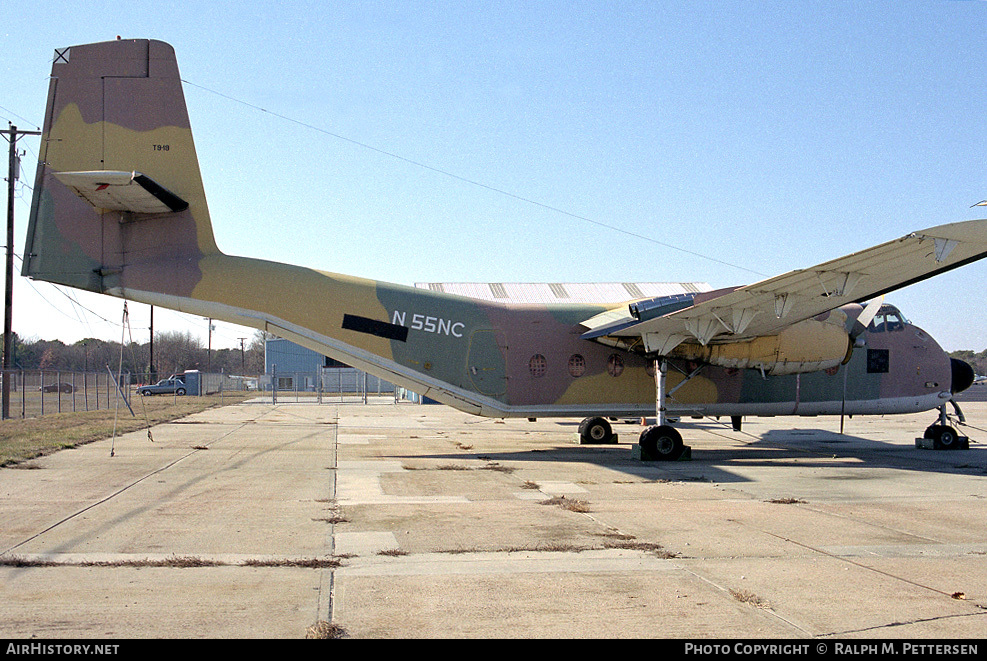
(887, 321)
(537, 366)
(615, 365)
(577, 365)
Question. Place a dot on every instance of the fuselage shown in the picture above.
(500, 360)
(532, 362)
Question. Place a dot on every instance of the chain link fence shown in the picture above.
(328, 385)
(36, 393)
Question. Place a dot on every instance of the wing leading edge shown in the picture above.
(768, 307)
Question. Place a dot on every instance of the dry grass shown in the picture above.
(323, 630)
(646, 547)
(570, 504)
(332, 519)
(569, 547)
(174, 562)
(748, 597)
(306, 563)
(494, 466)
(21, 440)
(490, 466)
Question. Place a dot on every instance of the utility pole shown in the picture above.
(241, 353)
(209, 349)
(150, 360)
(11, 135)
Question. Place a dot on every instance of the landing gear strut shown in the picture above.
(661, 442)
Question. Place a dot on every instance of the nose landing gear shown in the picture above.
(942, 436)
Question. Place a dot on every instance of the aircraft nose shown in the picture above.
(962, 375)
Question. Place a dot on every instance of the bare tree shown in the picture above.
(177, 351)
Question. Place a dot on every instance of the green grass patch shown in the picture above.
(29, 438)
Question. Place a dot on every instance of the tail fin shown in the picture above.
(118, 181)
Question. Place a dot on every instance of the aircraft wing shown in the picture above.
(767, 307)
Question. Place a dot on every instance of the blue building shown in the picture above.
(300, 369)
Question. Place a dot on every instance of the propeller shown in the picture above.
(860, 324)
(865, 317)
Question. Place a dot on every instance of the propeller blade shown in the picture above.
(867, 316)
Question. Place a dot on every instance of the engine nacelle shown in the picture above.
(808, 346)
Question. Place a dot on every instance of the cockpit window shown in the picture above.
(888, 319)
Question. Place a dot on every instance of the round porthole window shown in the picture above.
(537, 366)
(615, 365)
(577, 365)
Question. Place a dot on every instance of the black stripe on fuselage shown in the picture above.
(374, 327)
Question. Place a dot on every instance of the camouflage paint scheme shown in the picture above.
(119, 106)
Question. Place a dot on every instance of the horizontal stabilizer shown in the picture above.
(122, 191)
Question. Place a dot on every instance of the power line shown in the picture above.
(8, 110)
(472, 182)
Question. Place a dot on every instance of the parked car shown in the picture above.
(57, 387)
(164, 387)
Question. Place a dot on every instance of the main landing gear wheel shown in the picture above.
(595, 431)
(662, 443)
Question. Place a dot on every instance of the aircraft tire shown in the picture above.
(945, 437)
(662, 443)
(594, 431)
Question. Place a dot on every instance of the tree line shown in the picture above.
(174, 352)
(977, 360)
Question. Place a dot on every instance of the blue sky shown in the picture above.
(612, 141)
